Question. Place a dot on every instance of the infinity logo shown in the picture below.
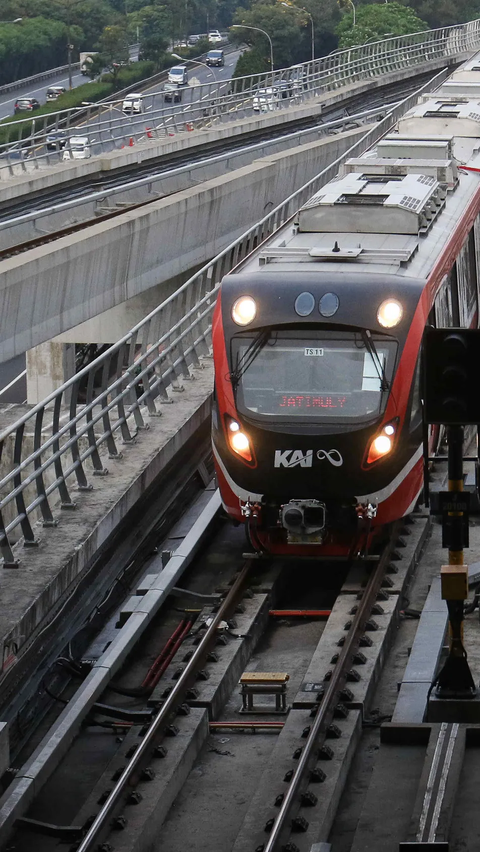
(333, 456)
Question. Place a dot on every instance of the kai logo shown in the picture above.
(333, 456)
(293, 458)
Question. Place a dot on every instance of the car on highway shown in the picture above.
(265, 100)
(192, 40)
(78, 148)
(16, 152)
(26, 104)
(56, 140)
(214, 37)
(215, 58)
(178, 74)
(54, 92)
(172, 92)
(133, 104)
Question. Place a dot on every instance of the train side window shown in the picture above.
(476, 252)
(416, 406)
(467, 283)
(446, 313)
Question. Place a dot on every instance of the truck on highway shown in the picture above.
(85, 59)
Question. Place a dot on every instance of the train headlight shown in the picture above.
(382, 443)
(390, 313)
(244, 310)
(238, 440)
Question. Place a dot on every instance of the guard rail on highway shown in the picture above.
(37, 78)
(44, 75)
(106, 402)
(108, 128)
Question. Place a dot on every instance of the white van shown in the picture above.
(133, 104)
(178, 74)
(265, 100)
(78, 148)
(214, 37)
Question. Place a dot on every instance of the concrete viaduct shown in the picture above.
(117, 271)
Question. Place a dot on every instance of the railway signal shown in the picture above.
(450, 374)
(452, 356)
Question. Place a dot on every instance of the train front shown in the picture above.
(317, 428)
(316, 445)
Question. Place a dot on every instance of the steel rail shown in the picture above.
(331, 697)
(49, 237)
(161, 720)
(137, 183)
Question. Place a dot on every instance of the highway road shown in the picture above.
(111, 128)
(38, 90)
(197, 74)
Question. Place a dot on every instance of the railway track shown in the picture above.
(78, 187)
(18, 218)
(161, 731)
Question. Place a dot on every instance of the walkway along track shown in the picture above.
(370, 618)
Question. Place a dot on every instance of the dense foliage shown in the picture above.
(374, 21)
(39, 40)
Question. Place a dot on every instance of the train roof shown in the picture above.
(393, 209)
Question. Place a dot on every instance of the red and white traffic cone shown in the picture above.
(131, 142)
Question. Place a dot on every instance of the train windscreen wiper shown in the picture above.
(248, 357)
(372, 351)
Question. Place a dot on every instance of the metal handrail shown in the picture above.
(209, 106)
(114, 392)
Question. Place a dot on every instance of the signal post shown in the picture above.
(451, 363)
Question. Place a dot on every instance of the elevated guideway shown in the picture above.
(57, 287)
(56, 457)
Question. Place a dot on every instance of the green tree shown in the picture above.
(113, 49)
(154, 32)
(226, 10)
(445, 13)
(31, 46)
(89, 16)
(95, 66)
(251, 62)
(325, 19)
(375, 21)
(283, 27)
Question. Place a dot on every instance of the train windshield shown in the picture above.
(322, 376)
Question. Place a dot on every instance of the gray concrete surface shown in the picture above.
(49, 289)
(13, 188)
(41, 584)
(373, 815)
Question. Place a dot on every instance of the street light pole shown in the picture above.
(196, 62)
(69, 61)
(244, 27)
(301, 9)
(352, 4)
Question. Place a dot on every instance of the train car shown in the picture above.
(317, 423)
